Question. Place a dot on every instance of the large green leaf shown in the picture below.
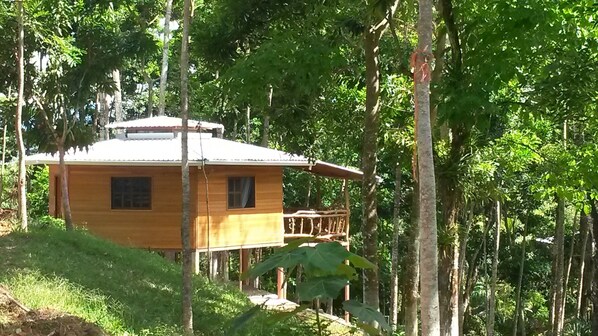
(285, 260)
(366, 313)
(360, 262)
(241, 321)
(326, 287)
(294, 244)
(324, 256)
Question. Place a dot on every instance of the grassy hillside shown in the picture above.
(125, 291)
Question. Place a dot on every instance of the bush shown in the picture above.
(37, 191)
(46, 221)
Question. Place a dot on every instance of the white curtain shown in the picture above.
(246, 186)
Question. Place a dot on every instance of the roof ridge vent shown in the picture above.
(149, 135)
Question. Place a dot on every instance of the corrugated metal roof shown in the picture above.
(163, 122)
(167, 151)
(151, 148)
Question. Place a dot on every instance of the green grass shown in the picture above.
(125, 291)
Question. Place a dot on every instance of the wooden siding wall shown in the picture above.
(159, 228)
(231, 228)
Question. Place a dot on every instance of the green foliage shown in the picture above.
(46, 221)
(37, 191)
(326, 274)
(365, 313)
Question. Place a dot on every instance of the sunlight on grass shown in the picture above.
(38, 291)
(125, 291)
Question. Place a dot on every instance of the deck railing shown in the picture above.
(325, 224)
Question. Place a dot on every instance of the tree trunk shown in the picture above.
(164, 69)
(423, 57)
(248, 124)
(266, 128)
(2, 166)
(64, 187)
(594, 295)
(396, 230)
(589, 271)
(150, 96)
(584, 229)
(559, 253)
(21, 182)
(464, 239)
(412, 267)
(103, 115)
(492, 299)
(472, 276)
(118, 99)
(520, 279)
(369, 159)
(567, 274)
(187, 291)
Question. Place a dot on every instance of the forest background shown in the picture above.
(513, 106)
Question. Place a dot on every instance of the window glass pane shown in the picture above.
(131, 193)
(241, 192)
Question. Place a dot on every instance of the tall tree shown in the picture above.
(423, 57)
(22, 191)
(412, 266)
(377, 25)
(494, 276)
(186, 206)
(164, 69)
(118, 98)
(394, 269)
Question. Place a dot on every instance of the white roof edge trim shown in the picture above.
(173, 163)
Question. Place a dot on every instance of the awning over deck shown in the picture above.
(331, 170)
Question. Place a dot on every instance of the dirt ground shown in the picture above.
(16, 321)
(5, 221)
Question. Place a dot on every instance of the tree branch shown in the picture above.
(45, 117)
(453, 33)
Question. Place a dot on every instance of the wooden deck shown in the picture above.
(327, 225)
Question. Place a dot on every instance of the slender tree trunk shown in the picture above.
(21, 182)
(520, 279)
(150, 96)
(396, 230)
(186, 211)
(472, 275)
(584, 229)
(594, 293)
(412, 267)
(559, 252)
(589, 272)
(266, 128)
(103, 115)
(164, 69)
(369, 158)
(423, 57)
(567, 274)
(248, 124)
(492, 299)
(2, 167)
(118, 99)
(64, 187)
(461, 269)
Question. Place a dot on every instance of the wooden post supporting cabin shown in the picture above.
(281, 287)
(348, 217)
(195, 261)
(244, 264)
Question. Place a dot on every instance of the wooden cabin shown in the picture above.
(128, 189)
